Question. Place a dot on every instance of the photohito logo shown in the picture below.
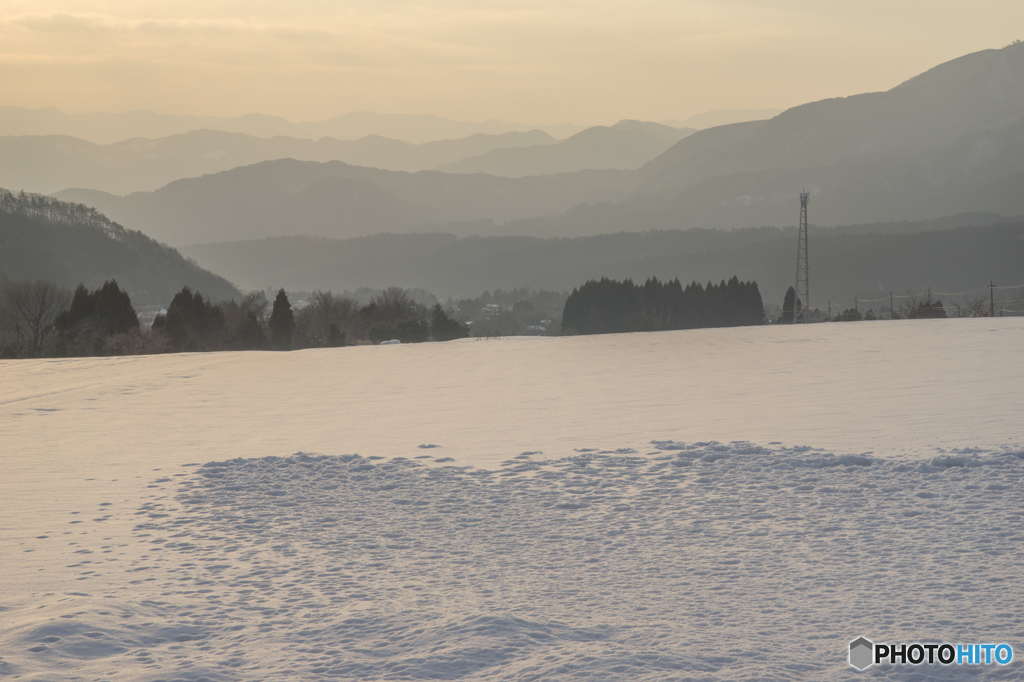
(864, 653)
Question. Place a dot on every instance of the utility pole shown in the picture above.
(892, 311)
(802, 277)
(991, 298)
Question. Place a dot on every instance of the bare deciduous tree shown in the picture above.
(32, 308)
(323, 307)
(324, 320)
(394, 303)
(921, 308)
(255, 302)
(977, 306)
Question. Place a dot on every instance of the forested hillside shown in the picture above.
(952, 254)
(289, 197)
(69, 244)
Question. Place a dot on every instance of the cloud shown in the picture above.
(588, 60)
(59, 23)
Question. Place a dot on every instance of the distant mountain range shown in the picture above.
(625, 145)
(948, 141)
(50, 163)
(47, 164)
(862, 260)
(335, 199)
(105, 128)
(722, 117)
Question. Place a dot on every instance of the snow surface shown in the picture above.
(711, 504)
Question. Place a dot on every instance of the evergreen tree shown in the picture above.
(94, 317)
(936, 310)
(927, 309)
(176, 327)
(788, 305)
(412, 331)
(249, 334)
(114, 309)
(608, 306)
(445, 328)
(282, 322)
(192, 323)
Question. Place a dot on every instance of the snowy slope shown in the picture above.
(679, 505)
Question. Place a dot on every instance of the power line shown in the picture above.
(941, 293)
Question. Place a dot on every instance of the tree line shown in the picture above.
(855, 258)
(42, 319)
(56, 211)
(608, 306)
(913, 307)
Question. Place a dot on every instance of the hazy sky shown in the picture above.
(538, 61)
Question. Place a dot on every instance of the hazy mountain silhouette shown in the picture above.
(626, 145)
(50, 163)
(722, 117)
(864, 260)
(979, 172)
(105, 128)
(335, 199)
(967, 95)
(948, 141)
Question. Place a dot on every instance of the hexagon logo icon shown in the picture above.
(861, 653)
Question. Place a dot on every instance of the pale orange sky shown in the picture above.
(550, 61)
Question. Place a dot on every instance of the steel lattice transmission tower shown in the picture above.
(803, 292)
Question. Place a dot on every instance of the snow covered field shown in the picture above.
(711, 504)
